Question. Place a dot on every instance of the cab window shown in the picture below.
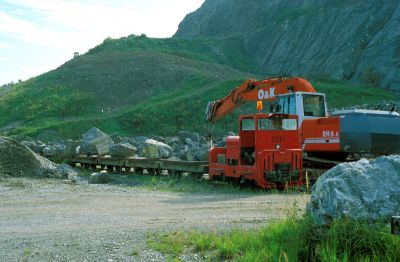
(277, 124)
(314, 105)
(248, 124)
(287, 105)
(289, 124)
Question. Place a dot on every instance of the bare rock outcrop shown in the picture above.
(357, 40)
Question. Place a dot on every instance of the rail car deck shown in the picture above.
(139, 163)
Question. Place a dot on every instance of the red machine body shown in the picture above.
(266, 152)
(253, 155)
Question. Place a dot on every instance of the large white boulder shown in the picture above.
(365, 190)
(155, 149)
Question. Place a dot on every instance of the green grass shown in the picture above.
(183, 184)
(229, 51)
(183, 109)
(26, 254)
(341, 94)
(119, 74)
(289, 240)
(153, 86)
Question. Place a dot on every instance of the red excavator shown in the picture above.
(270, 156)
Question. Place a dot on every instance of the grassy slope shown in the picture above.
(288, 240)
(183, 108)
(156, 86)
(119, 74)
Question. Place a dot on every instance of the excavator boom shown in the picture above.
(252, 90)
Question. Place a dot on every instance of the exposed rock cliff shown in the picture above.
(357, 39)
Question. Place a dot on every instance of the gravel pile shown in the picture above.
(17, 160)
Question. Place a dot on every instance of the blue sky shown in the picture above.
(39, 35)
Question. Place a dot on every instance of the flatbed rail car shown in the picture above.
(139, 164)
(314, 168)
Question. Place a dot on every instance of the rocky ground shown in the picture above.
(58, 220)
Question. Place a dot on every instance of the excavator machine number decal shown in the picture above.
(266, 94)
(330, 134)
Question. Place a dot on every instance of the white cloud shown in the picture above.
(82, 24)
(5, 46)
(4, 59)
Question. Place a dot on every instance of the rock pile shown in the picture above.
(18, 160)
(189, 146)
(366, 190)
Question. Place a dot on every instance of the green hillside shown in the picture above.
(138, 85)
(119, 74)
(184, 109)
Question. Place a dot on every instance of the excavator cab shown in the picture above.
(303, 104)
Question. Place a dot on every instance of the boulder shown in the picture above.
(192, 136)
(188, 141)
(55, 149)
(140, 139)
(201, 153)
(35, 146)
(95, 142)
(71, 148)
(172, 140)
(156, 149)
(186, 154)
(365, 190)
(122, 150)
(158, 138)
(196, 153)
(100, 178)
(129, 140)
(116, 138)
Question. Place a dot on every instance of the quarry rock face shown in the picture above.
(365, 190)
(357, 40)
(95, 142)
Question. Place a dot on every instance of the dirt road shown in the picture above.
(47, 220)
